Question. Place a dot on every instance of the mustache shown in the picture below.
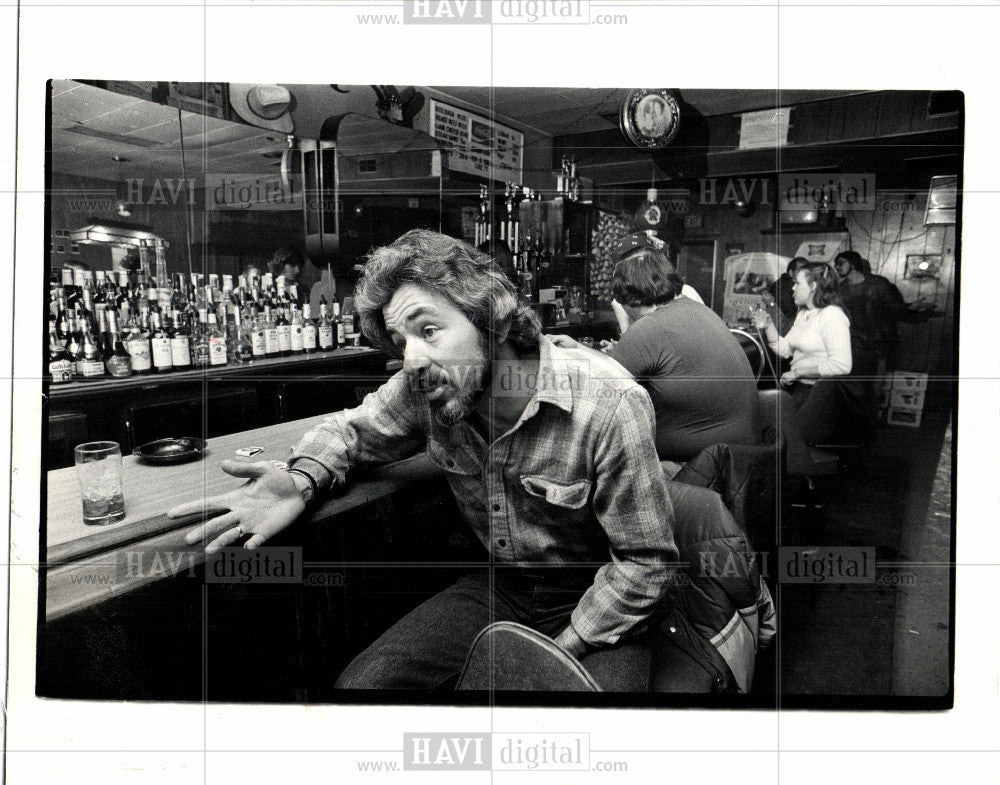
(456, 376)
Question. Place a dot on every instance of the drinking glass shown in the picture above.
(99, 470)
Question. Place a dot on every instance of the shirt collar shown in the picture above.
(555, 375)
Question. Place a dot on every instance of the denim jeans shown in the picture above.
(427, 648)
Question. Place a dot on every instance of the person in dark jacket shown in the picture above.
(781, 292)
(875, 307)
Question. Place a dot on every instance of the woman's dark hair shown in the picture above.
(468, 279)
(795, 265)
(285, 255)
(645, 277)
(826, 284)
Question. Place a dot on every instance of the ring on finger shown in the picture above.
(239, 531)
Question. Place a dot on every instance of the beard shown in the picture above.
(467, 384)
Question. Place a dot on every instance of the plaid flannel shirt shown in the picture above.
(575, 481)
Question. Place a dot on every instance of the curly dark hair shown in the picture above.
(856, 260)
(469, 279)
(285, 255)
(645, 277)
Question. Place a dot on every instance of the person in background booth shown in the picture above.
(875, 307)
(819, 346)
(287, 261)
(252, 270)
(781, 291)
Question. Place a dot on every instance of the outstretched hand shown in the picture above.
(269, 502)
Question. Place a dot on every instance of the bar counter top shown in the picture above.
(81, 559)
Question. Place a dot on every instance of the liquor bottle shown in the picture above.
(309, 334)
(240, 347)
(202, 295)
(110, 290)
(74, 345)
(54, 291)
(199, 342)
(340, 326)
(123, 287)
(98, 287)
(180, 342)
(178, 297)
(160, 342)
(217, 349)
(297, 340)
(270, 334)
(325, 333)
(90, 363)
(60, 365)
(152, 291)
(74, 292)
(117, 360)
(214, 289)
(137, 344)
(62, 319)
(103, 337)
(164, 290)
(284, 331)
(258, 347)
(86, 310)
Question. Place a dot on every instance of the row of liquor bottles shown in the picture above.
(170, 292)
(122, 336)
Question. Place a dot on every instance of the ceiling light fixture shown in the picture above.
(102, 231)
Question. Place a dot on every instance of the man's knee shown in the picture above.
(370, 670)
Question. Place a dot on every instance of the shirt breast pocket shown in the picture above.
(570, 495)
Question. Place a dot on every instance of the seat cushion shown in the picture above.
(510, 656)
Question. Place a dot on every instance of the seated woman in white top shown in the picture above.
(819, 345)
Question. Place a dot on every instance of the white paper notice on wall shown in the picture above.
(767, 128)
(475, 144)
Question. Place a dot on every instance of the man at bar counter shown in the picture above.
(549, 452)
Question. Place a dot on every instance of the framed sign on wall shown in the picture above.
(477, 145)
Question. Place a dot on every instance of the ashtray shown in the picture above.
(167, 451)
